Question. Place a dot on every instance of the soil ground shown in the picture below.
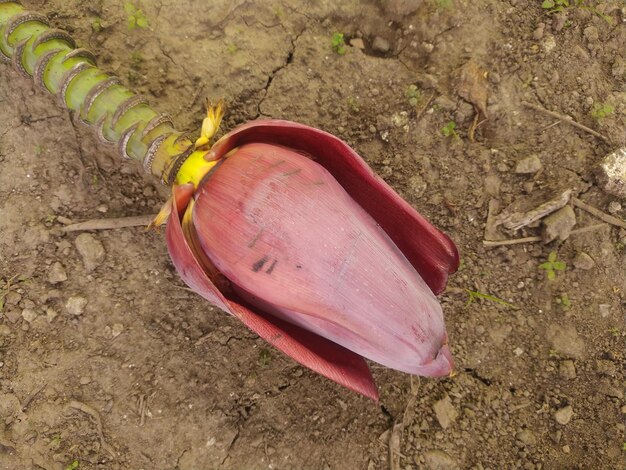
(108, 362)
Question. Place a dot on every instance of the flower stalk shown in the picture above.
(118, 116)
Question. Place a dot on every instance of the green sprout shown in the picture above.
(473, 295)
(338, 43)
(449, 130)
(264, 357)
(135, 17)
(564, 301)
(413, 95)
(444, 3)
(73, 466)
(552, 266)
(601, 111)
(96, 25)
(615, 332)
(554, 6)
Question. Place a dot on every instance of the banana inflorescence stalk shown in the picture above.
(118, 116)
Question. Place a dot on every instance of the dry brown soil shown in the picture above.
(148, 376)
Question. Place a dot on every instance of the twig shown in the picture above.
(566, 119)
(517, 220)
(109, 224)
(609, 219)
(96, 416)
(516, 241)
(32, 397)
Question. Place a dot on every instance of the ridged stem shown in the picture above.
(117, 115)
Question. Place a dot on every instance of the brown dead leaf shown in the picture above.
(473, 86)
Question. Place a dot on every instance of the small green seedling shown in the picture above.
(615, 332)
(135, 17)
(564, 301)
(338, 43)
(96, 25)
(444, 3)
(413, 95)
(601, 111)
(449, 130)
(264, 357)
(555, 6)
(73, 466)
(552, 266)
(473, 295)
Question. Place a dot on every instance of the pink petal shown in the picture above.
(430, 251)
(318, 354)
(294, 244)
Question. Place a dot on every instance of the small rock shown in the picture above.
(583, 261)
(614, 207)
(611, 174)
(567, 369)
(559, 224)
(565, 340)
(591, 33)
(12, 298)
(76, 305)
(610, 391)
(117, 329)
(91, 250)
(549, 43)
(56, 273)
(439, 460)
(605, 310)
(445, 412)
(492, 184)
(13, 315)
(85, 380)
(605, 367)
(51, 315)
(528, 165)
(358, 43)
(5, 330)
(380, 45)
(526, 437)
(539, 31)
(564, 415)
(566, 449)
(29, 314)
(400, 119)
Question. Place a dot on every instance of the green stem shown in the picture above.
(117, 115)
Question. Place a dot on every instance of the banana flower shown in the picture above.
(286, 228)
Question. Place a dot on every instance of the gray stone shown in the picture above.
(91, 250)
(583, 261)
(611, 174)
(445, 412)
(380, 45)
(29, 314)
(605, 310)
(564, 415)
(559, 224)
(528, 165)
(56, 273)
(76, 305)
(358, 43)
(565, 340)
(614, 207)
(439, 460)
(526, 437)
(567, 369)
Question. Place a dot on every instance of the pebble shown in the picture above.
(611, 174)
(117, 329)
(566, 449)
(605, 367)
(610, 391)
(56, 273)
(528, 165)
(29, 314)
(539, 31)
(614, 207)
(380, 45)
(85, 380)
(559, 224)
(605, 310)
(358, 43)
(91, 250)
(492, 184)
(583, 261)
(526, 437)
(564, 339)
(439, 460)
(5, 330)
(51, 314)
(567, 369)
(564, 415)
(591, 33)
(445, 412)
(76, 305)
(12, 298)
